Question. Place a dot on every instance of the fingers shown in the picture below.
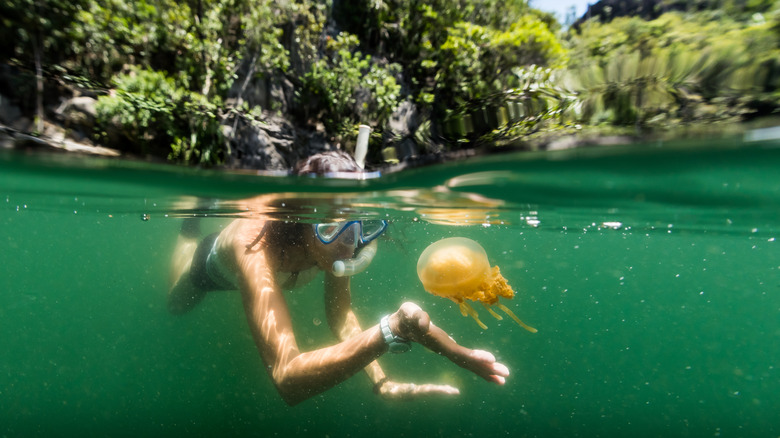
(431, 389)
(483, 356)
(423, 321)
(411, 321)
(501, 369)
(410, 391)
(484, 364)
(497, 373)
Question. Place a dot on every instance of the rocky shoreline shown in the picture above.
(273, 143)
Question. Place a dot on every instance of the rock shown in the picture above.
(263, 145)
(52, 139)
(400, 130)
(573, 142)
(404, 120)
(78, 113)
(271, 93)
(6, 138)
(406, 149)
(272, 144)
(282, 93)
(311, 142)
(22, 124)
(8, 111)
(564, 143)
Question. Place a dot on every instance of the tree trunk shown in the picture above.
(38, 53)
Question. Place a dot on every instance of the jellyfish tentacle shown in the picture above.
(465, 308)
(517, 320)
(492, 312)
(462, 307)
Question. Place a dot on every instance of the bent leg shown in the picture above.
(183, 294)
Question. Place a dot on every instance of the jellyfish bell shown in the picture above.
(451, 266)
(457, 268)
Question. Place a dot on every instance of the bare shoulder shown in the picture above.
(240, 235)
(242, 251)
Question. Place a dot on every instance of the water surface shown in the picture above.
(651, 272)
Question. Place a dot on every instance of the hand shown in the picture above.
(390, 390)
(483, 364)
(412, 323)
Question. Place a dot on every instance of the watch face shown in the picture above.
(399, 347)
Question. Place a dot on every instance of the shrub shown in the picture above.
(149, 114)
(347, 88)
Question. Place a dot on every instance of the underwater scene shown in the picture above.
(648, 273)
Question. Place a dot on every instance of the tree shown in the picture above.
(39, 27)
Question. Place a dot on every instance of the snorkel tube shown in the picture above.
(356, 265)
(361, 148)
(359, 263)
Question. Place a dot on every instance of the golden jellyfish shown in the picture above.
(457, 268)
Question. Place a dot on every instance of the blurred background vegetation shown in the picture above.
(169, 75)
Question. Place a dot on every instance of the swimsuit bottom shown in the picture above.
(208, 273)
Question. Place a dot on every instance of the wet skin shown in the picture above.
(299, 375)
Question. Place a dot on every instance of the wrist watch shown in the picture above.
(396, 344)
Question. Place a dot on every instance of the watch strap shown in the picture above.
(397, 344)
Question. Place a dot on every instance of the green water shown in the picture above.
(651, 273)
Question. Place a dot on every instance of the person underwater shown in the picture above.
(261, 258)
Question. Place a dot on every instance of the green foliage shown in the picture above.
(168, 65)
(200, 43)
(182, 58)
(677, 68)
(347, 88)
(477, 61)
(150, 113)
(261, 23)
(455, 51)
(479, 70)
(29, 26)
(307, 20)
(538, 102)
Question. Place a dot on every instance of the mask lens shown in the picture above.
(372, 230)
(327, 233)
(351, 232)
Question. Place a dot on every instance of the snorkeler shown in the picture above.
(262, 258)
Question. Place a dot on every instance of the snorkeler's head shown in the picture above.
(330, 162)
(345, 241)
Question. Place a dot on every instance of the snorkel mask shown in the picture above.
(357, 233)
(361, 234)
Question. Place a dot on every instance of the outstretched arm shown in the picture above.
(412, 323)
(345, 325)
(299, 375)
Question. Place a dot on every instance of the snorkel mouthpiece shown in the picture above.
(356, 265)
